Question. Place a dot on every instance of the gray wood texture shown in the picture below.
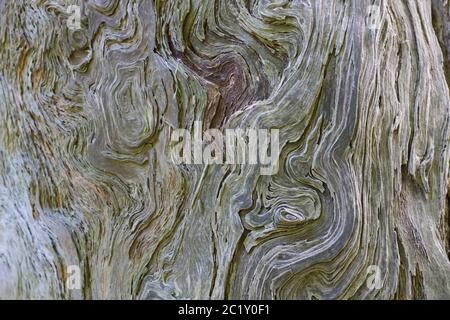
(358, 90)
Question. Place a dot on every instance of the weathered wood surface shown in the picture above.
(361, 102)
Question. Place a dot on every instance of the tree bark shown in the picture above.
(357, 89)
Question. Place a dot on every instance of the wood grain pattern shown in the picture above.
(363, 108)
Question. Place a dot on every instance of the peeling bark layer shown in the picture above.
(361, 102)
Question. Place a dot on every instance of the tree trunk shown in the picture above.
(359, 206)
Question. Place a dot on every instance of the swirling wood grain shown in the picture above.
(85, 124)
